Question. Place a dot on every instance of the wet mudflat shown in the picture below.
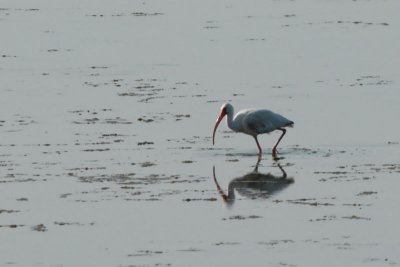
(106, 116)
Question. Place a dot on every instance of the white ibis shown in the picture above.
(254, 122)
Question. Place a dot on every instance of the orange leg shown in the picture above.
(259, 148)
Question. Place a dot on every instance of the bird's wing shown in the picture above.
(265, 121)
(258, 122)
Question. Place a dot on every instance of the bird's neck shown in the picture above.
(230, 122)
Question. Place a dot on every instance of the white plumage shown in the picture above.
(254, 122)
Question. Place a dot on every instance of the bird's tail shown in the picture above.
(290, 124)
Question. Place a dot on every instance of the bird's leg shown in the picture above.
(256, 167)
(259, 148)
(280, 138)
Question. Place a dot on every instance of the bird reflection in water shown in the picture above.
(254, 185)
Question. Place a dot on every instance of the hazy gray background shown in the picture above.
(106, 112)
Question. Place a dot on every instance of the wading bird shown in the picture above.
(254, 122)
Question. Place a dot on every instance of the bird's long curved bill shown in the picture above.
(220, 117)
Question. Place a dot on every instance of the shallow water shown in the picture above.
(106, 116)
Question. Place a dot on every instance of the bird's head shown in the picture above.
(225, 109)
